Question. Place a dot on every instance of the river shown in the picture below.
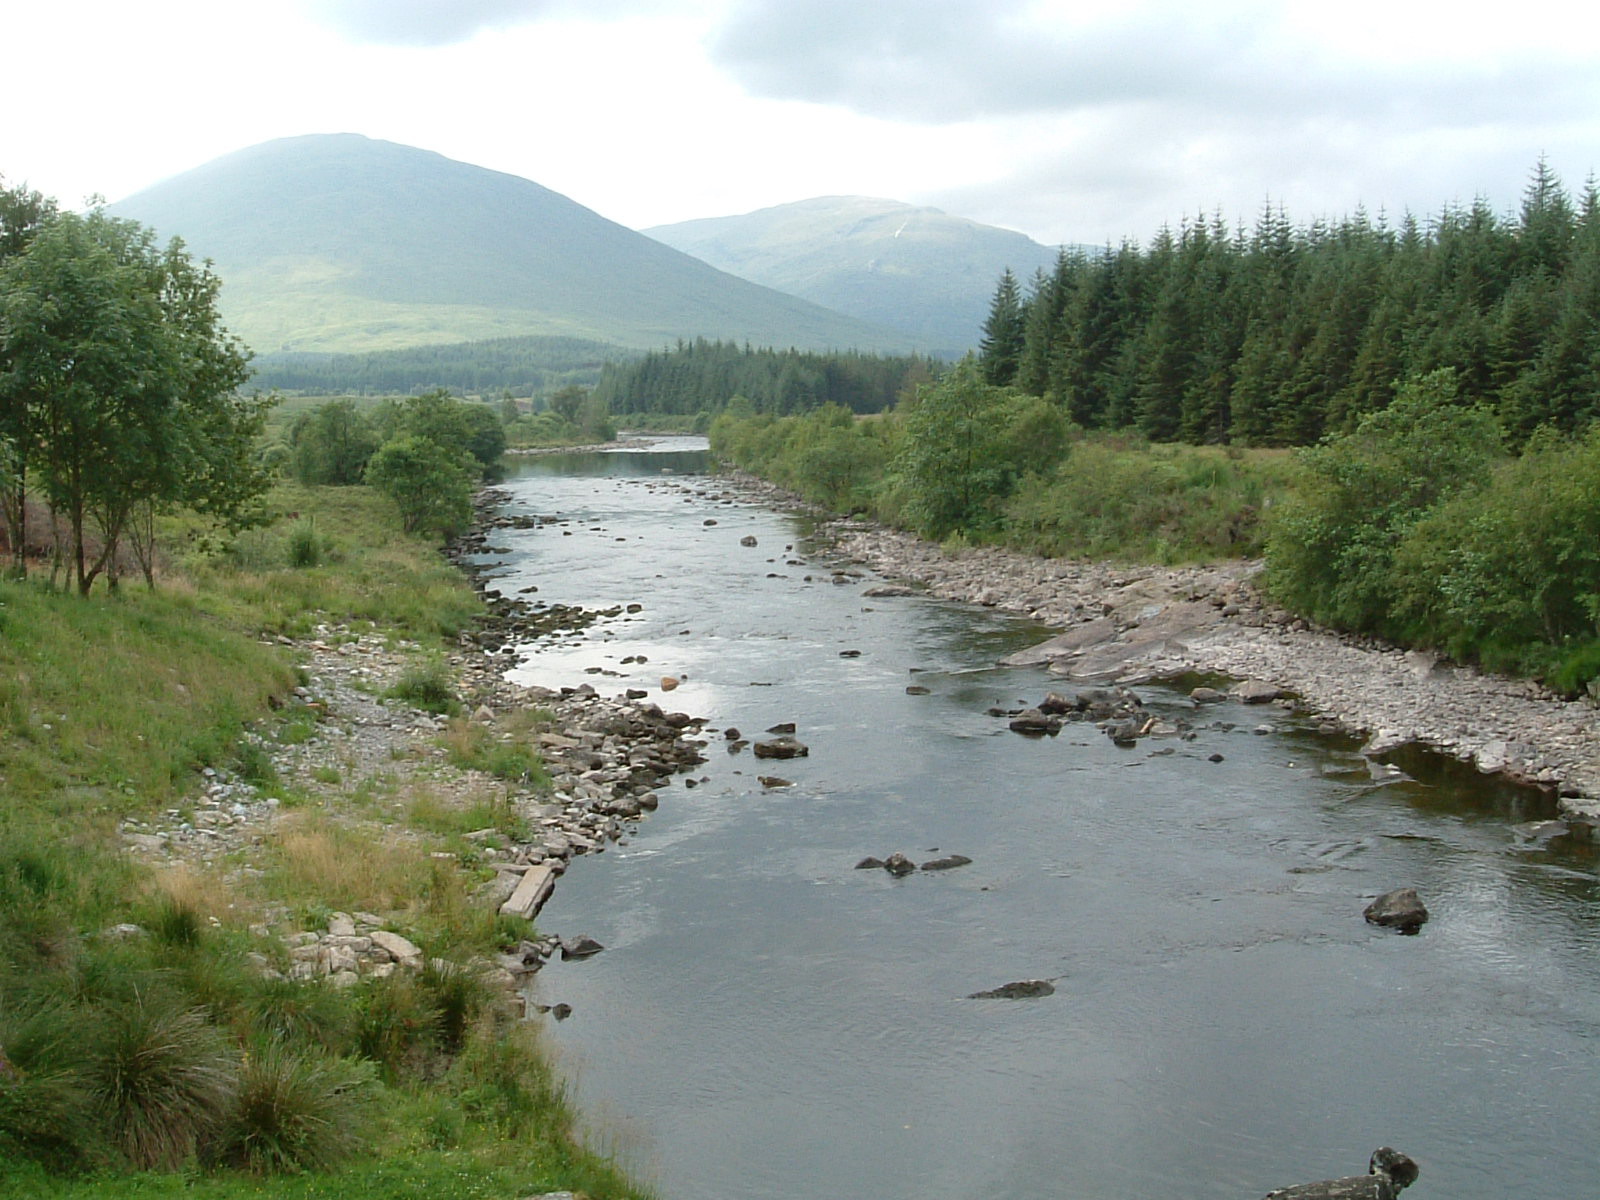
(769, 1022)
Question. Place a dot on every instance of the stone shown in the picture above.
(581, 946)
(1257, 691)
(1032, 721)
(899, 865)
(401, 949)
(780, 747)
(1400, 909)
(531, 892)
(1388, 1174)
(947, 863)
(869, 864)
(1024, 989)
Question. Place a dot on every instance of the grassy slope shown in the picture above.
(108, 706)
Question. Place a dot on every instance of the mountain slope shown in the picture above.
(341, 242)
(915, 269)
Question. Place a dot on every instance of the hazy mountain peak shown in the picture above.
(913, 267)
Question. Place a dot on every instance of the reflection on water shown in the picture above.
(768, 1021)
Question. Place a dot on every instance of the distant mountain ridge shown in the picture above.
(913, 268)
(339, 242)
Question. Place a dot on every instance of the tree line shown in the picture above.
(1280, 334)
(702, 376)
(518, 366)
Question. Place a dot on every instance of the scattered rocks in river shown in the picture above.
(1401, 909)
(1023, 989)
(900, 865)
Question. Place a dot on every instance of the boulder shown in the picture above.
(1024, 989)
(899, 865)
(1400, 909)
(1388, 1174)
(581, 946)
(1257, 691)
(948, 862)
(783, 746)
(1032, 721)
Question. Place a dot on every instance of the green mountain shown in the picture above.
(914, 269)
(342, 243)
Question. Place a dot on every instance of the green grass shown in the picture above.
(165, 1063)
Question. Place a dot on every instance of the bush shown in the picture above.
(295, 1112)
(1331, 550)
(161, 1077)
(1510, 573)
(427, 685)
(47, 1111)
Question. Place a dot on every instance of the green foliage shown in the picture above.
(1276, 336)
(431, 484)
(162, 1076)
(1499, 571)
(331, 444)
(295, 1112)
(1331, 553)
(427, 685)
(705, 376)
(965, 447)
(119, 387)
(1128, 499)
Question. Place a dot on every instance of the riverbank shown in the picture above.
(1133, 623)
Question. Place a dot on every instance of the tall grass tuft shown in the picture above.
(296, 1112)
(162, 1077)
(427, 685)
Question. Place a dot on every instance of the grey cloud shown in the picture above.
(938, 61)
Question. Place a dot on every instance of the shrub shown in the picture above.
(427, 685)
(47, 1112)
(1331, 551)
(295, 1112)
(161, 1077)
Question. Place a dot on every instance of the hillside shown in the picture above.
(339, 242)
(918, 270)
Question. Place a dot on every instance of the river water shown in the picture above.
(768, 1022)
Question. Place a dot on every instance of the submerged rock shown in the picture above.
(1024, 989)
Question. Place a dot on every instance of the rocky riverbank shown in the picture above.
(1131, 624)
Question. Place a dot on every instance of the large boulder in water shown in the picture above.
(1388, 1174)
(1400, 909)
(783, 746)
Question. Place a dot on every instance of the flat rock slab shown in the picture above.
(531, 893)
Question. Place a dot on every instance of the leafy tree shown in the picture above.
(117, 350)
(965, 446)
(331, 444)
(430, 482)
(23, 213)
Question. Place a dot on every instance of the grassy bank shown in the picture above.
(153, 1038)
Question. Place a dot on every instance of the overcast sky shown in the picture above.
(1069, 121)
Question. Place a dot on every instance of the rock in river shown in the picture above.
(780, 747)
(1389, 1173)
(1400, 909)
(1024, 989)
